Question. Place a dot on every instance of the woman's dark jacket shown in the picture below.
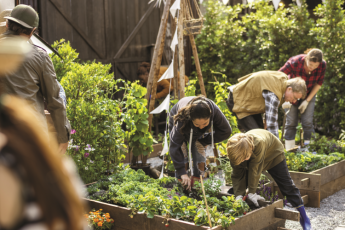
(221, 129)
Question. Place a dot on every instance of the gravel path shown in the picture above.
(328, 217)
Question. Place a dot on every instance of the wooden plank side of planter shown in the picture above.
(314, 180)
(120, 215)
(331, 172)
(313, 197)
(157, 148)
(332, 187)
(139, 221)
(276, 225)
(258, 219)
(261, 218)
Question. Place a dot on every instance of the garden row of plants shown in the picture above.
(236, 45)
(166, 197)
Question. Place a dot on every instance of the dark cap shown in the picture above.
(24, 15)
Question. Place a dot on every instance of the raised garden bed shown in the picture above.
(134, 205)
(262, 218)
(320, 183)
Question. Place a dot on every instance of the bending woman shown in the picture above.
(311, 68)
(194, 120)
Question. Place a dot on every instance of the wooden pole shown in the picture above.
(156, 62)
(181, 49)
(176, 95)
(157, 53)
(197, 65)
(203, 191)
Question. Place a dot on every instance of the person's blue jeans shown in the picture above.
(306, 120)
(198, 155)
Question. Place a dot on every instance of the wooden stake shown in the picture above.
(176, 80)
(156, 62)
(181, 49)
(197, 64)
(203, 191)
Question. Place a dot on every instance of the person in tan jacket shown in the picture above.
(263, 92)
(253, 152)
(162, 86)
(35, 80)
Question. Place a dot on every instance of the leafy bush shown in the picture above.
(322, 145)
(98, 139)
(136, 118)
(262, 40)
(69, 55)
(330, 102)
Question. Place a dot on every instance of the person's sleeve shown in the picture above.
(287, 69)
(62, 94)
(322, 73)
(271, 110)
(55, 106)
(175, 151)
(238, 177)
(221, 128)
(255, 167)
(165, 84)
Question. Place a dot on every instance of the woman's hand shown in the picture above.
(186, 181)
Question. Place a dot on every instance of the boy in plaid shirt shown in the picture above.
(311, 68)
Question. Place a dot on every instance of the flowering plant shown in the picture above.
(99, 221)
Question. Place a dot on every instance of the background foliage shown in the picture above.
(235, 45)
(98, 144)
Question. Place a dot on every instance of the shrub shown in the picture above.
(98, 140)
(262, 40)
(69, 55)
(330, 101)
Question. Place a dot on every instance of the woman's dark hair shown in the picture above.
(197, 108)
(314, 55)
(18, 29)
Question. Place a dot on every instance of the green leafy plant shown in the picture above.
(69, 56)
(140, 193)
(330, 100)
(139, 139)
(97, 144)
(211, 186)
(306, 162)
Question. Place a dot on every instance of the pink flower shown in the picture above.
(73, 131)
(86, 154)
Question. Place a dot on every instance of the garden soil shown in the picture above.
(329, 216)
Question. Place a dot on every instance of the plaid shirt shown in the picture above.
(294, 67)
(271, 109)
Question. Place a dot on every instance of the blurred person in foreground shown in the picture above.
(253, 152)
(39, 188)
(35, 80)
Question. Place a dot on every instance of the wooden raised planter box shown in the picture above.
(259, 219)
(320, 183)
(157, 148)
